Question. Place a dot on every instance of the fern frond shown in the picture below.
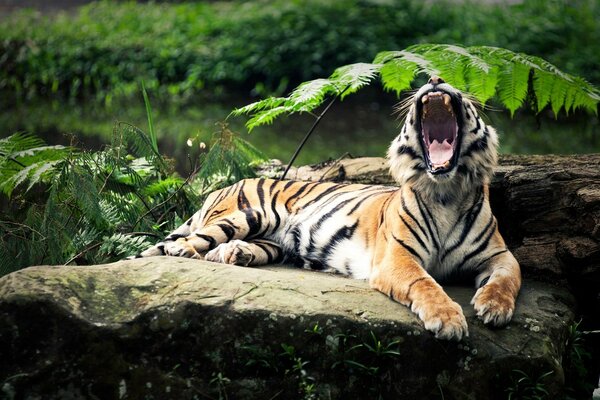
(266, 117)
(123, 245)
(350, 78)
(264, 104)
(26, 158)
(310, 94)
(558, 95)
(482, 71)
(512, 86)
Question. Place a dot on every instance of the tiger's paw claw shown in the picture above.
(181, 248)
(446, 321)
(493, 306)
(235, 252)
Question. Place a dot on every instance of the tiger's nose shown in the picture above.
(435, 80)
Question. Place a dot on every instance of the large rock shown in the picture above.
(185, 329)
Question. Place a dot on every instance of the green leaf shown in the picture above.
(397, 75)
(266, 117)
(543, 83)
(350, 78)
(512, 85)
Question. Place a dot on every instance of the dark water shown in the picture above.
(362, 125)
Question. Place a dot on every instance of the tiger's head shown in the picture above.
(443, 144)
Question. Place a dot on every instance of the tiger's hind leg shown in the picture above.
(251, 253)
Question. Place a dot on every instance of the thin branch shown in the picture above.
(310, 131)
(82, 252)
(22, 226)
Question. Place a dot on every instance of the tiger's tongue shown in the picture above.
(439, 153)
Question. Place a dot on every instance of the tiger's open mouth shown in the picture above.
(439, 131)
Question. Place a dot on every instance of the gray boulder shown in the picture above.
(165, 327)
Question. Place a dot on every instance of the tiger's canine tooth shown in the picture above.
(446, 99)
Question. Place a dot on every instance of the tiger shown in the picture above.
(403, 239)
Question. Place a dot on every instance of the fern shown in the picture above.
(26, 158)
(484, 72)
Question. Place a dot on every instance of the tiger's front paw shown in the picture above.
(236, 252)
(181, 248)
(493, 305)
(445, 319)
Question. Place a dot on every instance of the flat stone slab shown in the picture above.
(168, 327)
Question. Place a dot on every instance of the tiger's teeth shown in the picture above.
(425, 99)
(446, 100)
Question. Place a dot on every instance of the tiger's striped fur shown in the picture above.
(437, 222)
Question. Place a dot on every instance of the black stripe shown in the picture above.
(227, 230)
(267, 252)
(410, 249)
(189, 221)
(407, 211)
(275, 213)
(427, 215)
(174, 236)
(296, 195)
(345, 232)
(242, 200)
(478, 238)
(223, 194)
(481, 247)
(488, 259)
(466, 111)
(478, 127)
(362, 200)
(288, 184)
(317, 225)
(470, 219)
(404, 149)
(323, 194)
(212, 243)
(253, 219)
(260, 191)
(478, 145)
(415, 234)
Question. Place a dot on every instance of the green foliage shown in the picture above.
(374, 361)
(480, 70)
(25, 158)
(105, 48)
(86, 207)
(578, 359)
(524, 387)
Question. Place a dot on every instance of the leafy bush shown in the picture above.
(107, 47)
(70, 206)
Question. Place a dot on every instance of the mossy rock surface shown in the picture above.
(166, 327)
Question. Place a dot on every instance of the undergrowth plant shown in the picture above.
(70, 206)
